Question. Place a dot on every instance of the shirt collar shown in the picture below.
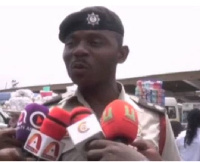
(81, 99)
(122, 96)
(125, 97)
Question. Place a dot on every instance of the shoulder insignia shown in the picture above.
(59, 99)
(53, 101)
(144, 104)
(68, 94)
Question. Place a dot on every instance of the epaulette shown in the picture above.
(53, 101)
(144, 104)
(59, 98)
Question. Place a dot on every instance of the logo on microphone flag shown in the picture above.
(129, 113)
(34, 143)
(22, 118)
(36, 119)
(107, 114)
(85, 129)
(51, 152)
(82, 127)
(43, 146)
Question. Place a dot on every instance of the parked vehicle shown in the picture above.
(186, 107)
(4, 96)
(171, 106)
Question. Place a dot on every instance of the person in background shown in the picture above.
(13, 120)
(188, 141)
(176, 127)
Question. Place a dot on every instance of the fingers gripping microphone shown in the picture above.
(45, 144)
(120, 122)
(31, 117)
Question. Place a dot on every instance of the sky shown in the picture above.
(162, 37)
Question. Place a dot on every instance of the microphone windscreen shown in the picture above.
(31, 117)
(55, 124)
(79, 113)
(120, 121)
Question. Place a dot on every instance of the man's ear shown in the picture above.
(124, 51)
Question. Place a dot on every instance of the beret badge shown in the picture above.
(93, 19)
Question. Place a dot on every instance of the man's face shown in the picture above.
(91, 56)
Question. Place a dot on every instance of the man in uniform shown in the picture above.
(93, 39)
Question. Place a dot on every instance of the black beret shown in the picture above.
(90, 18)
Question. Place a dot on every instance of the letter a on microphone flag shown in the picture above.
(34, 143)
(43, 146)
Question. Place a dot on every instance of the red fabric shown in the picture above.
(60, 114)
(52, 129)
(162, 133)
(79, 113)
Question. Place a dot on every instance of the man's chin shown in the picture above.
(80, 81)
(83, 82)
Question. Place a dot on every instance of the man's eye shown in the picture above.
(69, 43)
(95, 42)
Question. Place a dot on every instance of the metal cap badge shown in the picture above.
(93, 19)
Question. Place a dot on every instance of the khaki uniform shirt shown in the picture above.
(149, 127)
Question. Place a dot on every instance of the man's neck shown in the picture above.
(99, 96)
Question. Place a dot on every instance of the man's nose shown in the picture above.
(80, 50)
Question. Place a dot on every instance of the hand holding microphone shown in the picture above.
(11, 140)
(11, 154)
(106, 150)
(148, 149)
(46, 143)
(7, 138)
(9, 146)
(119, 123)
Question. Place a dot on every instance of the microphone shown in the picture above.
(120, 122)
(79, 113)
(45, 143)
(31, 117)
(84, 128)
(58, 119)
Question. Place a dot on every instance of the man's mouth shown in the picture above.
(78, 65)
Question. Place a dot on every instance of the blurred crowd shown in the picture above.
(11, 109)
